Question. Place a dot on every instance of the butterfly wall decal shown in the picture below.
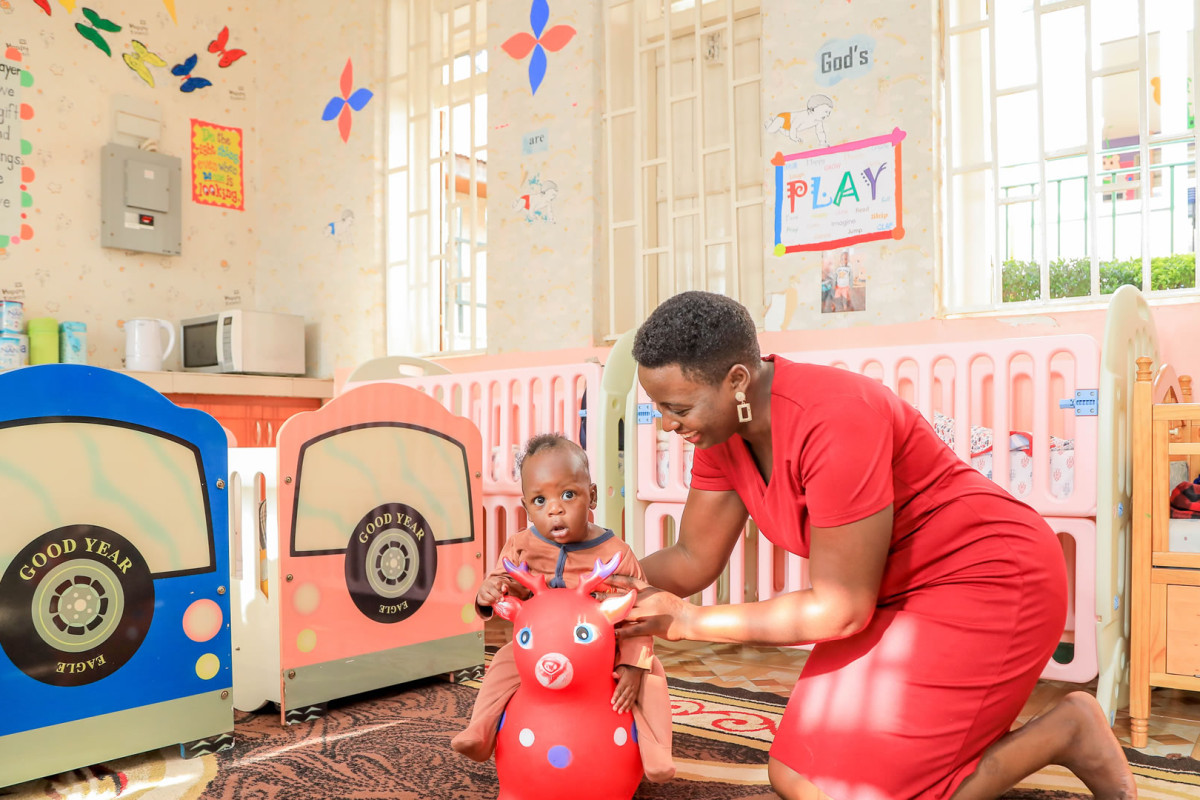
(184, 71)
(140, 61)
(92, 34)
(218, 46)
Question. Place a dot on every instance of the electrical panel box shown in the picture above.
(140, 204)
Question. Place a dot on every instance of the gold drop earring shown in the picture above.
(743, 408)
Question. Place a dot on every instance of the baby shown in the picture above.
(563, 545)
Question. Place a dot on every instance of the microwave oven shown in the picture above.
(256, 342)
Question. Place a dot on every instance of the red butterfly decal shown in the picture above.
(218, 46)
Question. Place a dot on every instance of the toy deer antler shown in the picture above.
(534, 583)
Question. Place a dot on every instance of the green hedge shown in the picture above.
(1071, 277)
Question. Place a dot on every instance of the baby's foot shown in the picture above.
(474, 749)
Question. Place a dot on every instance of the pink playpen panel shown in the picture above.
(967, 391)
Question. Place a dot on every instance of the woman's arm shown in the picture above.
(846, 569)
(708, 531)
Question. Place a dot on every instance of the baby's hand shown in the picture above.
(629, 683)
(494, 589)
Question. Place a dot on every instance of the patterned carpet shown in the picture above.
(394, 744)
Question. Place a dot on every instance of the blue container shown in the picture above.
(72, 343)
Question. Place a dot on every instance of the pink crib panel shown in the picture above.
(657, 515)
(1009, 384)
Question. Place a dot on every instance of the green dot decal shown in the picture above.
(3, 242)
(26, 78)
(26, 199)
(26, 147)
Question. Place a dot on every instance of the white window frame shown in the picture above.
(437, 83)
(697, 186)
(961, 273)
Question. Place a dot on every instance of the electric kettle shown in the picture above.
(144, 350)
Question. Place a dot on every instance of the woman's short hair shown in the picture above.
(703, 332)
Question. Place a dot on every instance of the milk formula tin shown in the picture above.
(14, 351)
(12, 316)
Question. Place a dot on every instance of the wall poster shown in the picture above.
(837, 196)
(217, 166)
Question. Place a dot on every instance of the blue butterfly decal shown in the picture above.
(184, 71)
(357, 101)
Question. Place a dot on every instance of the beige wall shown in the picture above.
(275, 255)
(542, 287)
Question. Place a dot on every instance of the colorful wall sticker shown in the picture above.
(92, 32)
(184, 71)
(218, 46)
(15, 176)
(141, 60)
(538, 203)
(217, 165)
(845, 58)
(837, 196)
(339, 107)
(522, 44)
(810, 119)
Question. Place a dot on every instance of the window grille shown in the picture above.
(683, 141)
(437, 176)
(1070, 150)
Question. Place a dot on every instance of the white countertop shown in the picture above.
(213, 383)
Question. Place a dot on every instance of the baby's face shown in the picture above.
(557, 493)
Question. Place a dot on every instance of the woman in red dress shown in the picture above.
(936, 599)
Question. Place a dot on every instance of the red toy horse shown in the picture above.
(559, 735)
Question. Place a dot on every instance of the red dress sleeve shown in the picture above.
(844, 451)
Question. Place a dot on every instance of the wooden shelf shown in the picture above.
(245, 385)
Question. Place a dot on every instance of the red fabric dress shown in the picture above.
(972, 604)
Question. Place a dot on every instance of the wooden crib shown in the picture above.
(1165, 580)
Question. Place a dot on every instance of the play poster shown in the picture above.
(838, 196)
(217, 165)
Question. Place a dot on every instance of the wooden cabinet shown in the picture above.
(251, 407)
(1164, 582)
(253, 420)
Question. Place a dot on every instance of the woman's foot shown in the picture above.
(1092, 751)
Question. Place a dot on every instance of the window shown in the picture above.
(1070, 150)
(437, 177)
(683, 141)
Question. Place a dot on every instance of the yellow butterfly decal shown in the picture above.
(140, 58)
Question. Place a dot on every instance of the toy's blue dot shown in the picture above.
(503, 715)
(634, 726)
(559, 756)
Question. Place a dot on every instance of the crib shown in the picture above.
(113, 573)
(509, 405)
(1166, 542)
(1061, 405)
(356, 554)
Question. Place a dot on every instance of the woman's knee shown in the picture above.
(791, 785)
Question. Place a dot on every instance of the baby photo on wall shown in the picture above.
(843, 281)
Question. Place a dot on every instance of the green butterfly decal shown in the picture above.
(92, 34)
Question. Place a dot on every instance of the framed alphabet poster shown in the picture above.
(838, 196)
(217, 166)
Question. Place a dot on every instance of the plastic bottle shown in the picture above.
(72, 342)
(43, 340)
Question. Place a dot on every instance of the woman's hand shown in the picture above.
(656, 612)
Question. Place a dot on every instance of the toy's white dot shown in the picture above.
(620, 736)
(526, 737)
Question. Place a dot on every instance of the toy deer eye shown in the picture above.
(525, 638)
(585, 633)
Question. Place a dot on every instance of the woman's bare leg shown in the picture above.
(791, 785)
(1074, 734)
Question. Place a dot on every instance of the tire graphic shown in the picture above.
(78, 601)
(391, 562)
